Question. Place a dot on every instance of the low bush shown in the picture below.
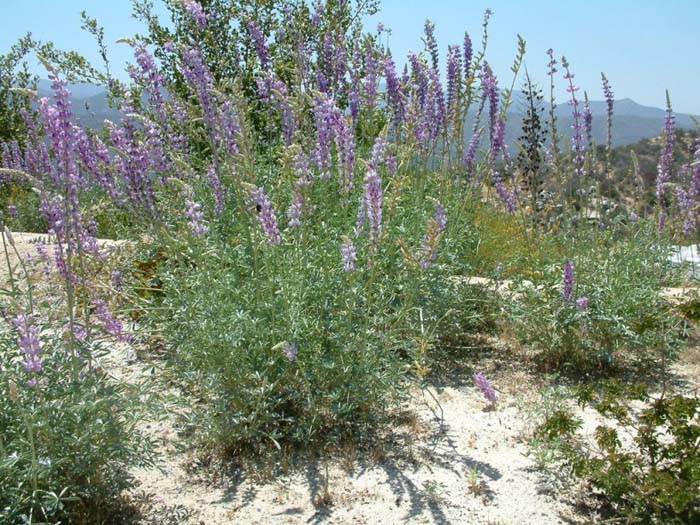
(600, 310)
(644, 462)
(67, 436)
(300, 333)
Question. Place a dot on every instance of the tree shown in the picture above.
(14, 74)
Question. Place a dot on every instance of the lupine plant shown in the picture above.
(601, 311)
(68, 433)
(67, 430)
(303, 201)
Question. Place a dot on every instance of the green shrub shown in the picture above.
(646, 464)
(25, 216)
(285, 346)
(66, 443)
(621, 319)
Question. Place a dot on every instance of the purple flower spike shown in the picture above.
(487, 389)
(489, 88)
(259, 41)
(217, 189)
(196, 12)
(436, 225)
(582, 303)
(588, 120)
(393, 88)
(470, 154)
(577, 146)
(454, 77)
(324, 110)
(467, 50)
(665, 166)
(266, 215)
(609, 103)
(371, 207)
(349, 254)
(689, 200)
(29, 344)
(507, 196)
(117, 279)
(110, 324)
(195, 215)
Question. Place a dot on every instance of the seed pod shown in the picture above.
(10, 239)
(12, 391)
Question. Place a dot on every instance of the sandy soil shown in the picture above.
(453, 460)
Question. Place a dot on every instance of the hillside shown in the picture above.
(632, 122)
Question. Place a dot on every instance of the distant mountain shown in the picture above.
(79, 91)
(88, 102)
(632, 122)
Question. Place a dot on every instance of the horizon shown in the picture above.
(634, 68)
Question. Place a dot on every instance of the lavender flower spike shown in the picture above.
(665, 166)
(371, 207)
(259, 42)
(196, 12)
(588, 120)
(429, 248)
(290, 351)
(609, 103)
(577, 146)
(110, 324)
(28, 341)
(582, 303)
(487, 389)
(467, 50)
(470, 154)
(195, 215)
(266, 215)
(688, 201)
(349, 254)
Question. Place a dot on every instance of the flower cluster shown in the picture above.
(609, 105)
(467, 51)
(349, 254)
(588, 120)
(110, 324)
(489, 88)
(29, 344)
(665, 166)
(370, 212)
(258, 39)
(454, 79)
(486, 388)
(689, 199)
(290, 351)
(266, 215)
(195, 216)
(582, 303)
(194, 9)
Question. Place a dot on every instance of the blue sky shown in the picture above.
(643, 47)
